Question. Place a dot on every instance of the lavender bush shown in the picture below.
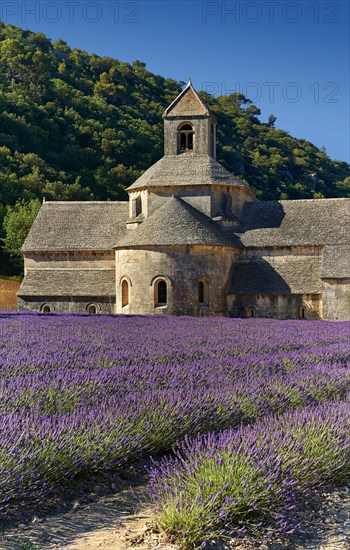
(82, 394)
(250, 481)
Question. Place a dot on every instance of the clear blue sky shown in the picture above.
(290, 57)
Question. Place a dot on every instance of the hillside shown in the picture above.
(75, 126)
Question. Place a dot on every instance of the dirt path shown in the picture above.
(135, 532)
(115, 522)
(123, 521)
(100, 512)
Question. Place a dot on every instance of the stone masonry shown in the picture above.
(193, 240)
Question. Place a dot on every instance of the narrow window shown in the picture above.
(200, 292)
(91, 309)
(302, 312)
(125, 293)
(46, 309)
(251, 311)
(161, 293)
(138, 206)
(203, 292)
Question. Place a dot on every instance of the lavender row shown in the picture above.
(81, 394)
(250, 482)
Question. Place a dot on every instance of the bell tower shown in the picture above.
(189, 126)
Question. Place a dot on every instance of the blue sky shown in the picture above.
(290, 58)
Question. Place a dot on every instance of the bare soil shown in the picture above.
(114, 514)
(8, 294)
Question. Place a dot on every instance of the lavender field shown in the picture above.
(256, 413)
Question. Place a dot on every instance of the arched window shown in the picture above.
(251, 312)
(302, 312)
(91, 309)
(125, 293)
(160, 293)
(45, 308)
(203, 292)
(185, 138)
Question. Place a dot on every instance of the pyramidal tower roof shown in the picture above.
(187, 103)
(184, 170)
(175, 223)
(189, 148)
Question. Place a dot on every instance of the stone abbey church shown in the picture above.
(193, 240)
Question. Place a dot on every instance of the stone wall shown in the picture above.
(289, 269)
(198, 198)
(181, 268)
(239, 196)
(68, 262)
(210, 200)
(336, 299)
(201, 127)
(8, 295)
(278, 284)
(67, 304)
(73, 260)
(275, 306)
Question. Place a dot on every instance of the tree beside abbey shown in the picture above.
(75, 126)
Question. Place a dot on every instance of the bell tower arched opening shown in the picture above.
(185, 138)
(189, 126)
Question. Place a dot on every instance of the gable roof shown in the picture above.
(186, 169)
(295, 223)
(187, 103)
(68, 282)
(336, 261)
(73, 226)
(69, 226)
(175, 223)
(296, 275)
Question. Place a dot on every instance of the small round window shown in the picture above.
(46, 308)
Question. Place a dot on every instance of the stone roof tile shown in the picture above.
(72, 226)
(294, 223)
(186, 169)
(336, 261)
(175, 223)
(77, 226)
(68, 282)
(295, 275)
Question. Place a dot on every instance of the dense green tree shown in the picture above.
(271, 121)
(17, 222)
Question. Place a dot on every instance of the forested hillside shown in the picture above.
(75, 126)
